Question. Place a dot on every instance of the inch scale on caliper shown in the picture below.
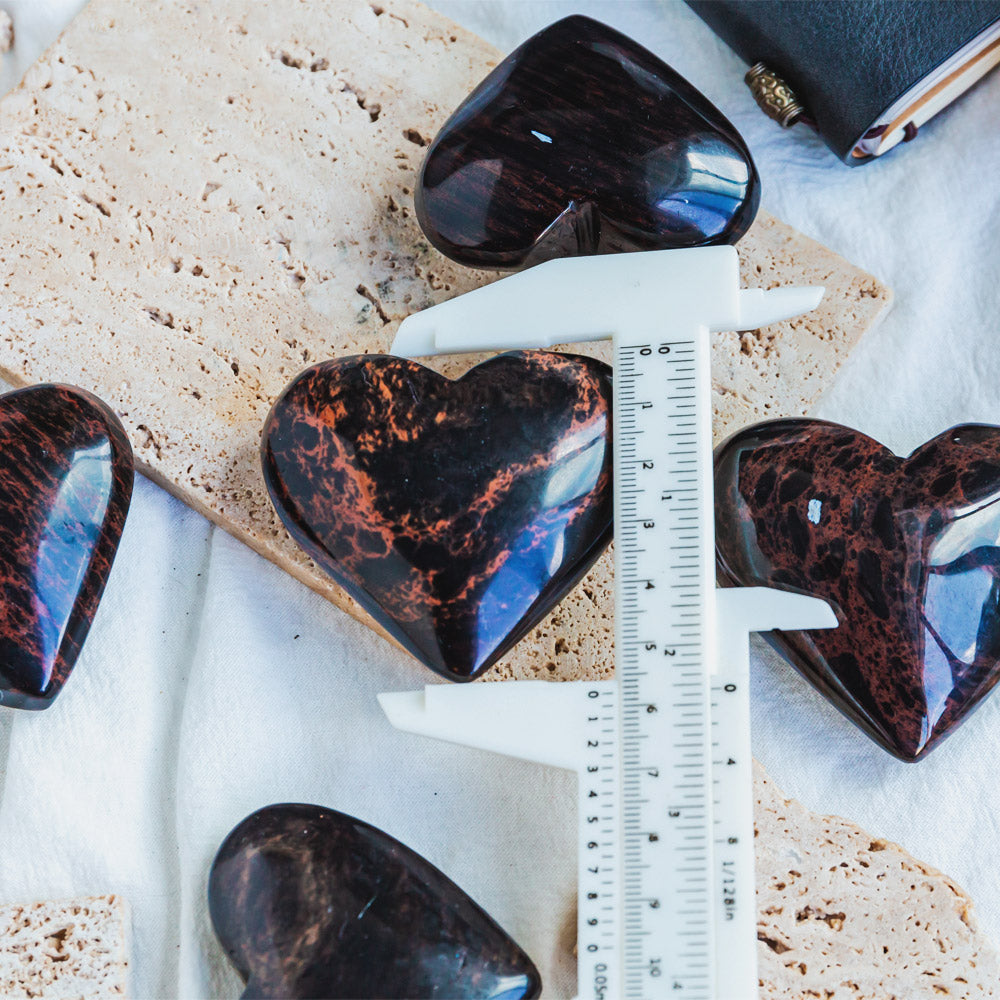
(666, 587)
(665, 817)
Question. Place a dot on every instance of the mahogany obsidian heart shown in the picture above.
(457, 513)
(308, 902)
(65, 486)
(906, 550)
(581, 141)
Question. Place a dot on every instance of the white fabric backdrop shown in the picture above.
(213, 684)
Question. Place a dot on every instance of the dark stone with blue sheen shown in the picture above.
(457, 513)
(310, 903)
(580, 142)
(65, 486)
(906, 551)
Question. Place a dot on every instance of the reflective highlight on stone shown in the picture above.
(580, 142)
(310, 903)
(65, 486)
(906, 550)
(457, 513)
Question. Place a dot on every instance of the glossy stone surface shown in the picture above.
(581, 141)
(65, 487)
(457, 513)
(906, 550)
(308, 902)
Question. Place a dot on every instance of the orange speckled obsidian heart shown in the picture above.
(906, 550)
(65, 487)
(457, 513)
(581, 142)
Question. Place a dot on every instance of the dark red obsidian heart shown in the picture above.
(906, 550)
(457, 513)
(308, 902)
(65, 487)
(580, 142)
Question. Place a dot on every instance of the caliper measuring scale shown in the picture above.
(666, 899)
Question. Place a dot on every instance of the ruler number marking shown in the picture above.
(659, 863)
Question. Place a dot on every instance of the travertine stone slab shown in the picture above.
(71, 949)
(844, 915)
(198, 204)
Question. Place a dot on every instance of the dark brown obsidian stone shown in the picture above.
(580, 142)
(904, 549)
(457, 513)
(65, 487)
(310, 903)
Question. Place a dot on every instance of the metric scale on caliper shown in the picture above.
(666, 887)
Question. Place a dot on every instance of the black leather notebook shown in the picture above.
(866, 73)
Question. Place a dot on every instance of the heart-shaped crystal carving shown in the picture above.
(580, 142)
(65, 486)
(308, 902)
(457, 513)
(905, 550)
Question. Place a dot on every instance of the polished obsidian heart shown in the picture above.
(308, 902)
(581, 141)
(65, 487)
(906, 550)
(457, 513)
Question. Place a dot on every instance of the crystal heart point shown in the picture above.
(904, 549)
(580, 142)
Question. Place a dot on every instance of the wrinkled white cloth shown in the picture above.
(212, 683)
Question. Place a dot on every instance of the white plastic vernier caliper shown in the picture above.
(666, 884)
